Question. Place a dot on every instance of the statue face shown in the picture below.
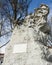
(44, 10)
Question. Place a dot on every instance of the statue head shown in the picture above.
(40, 18)
(44, 9)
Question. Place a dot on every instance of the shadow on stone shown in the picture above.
(49, 59)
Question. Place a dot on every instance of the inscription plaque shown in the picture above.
(19, 48)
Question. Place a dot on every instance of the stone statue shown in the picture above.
(34, 33)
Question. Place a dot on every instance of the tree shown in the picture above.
(11, 12)
(14, 10)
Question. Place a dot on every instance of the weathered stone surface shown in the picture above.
(37, 52)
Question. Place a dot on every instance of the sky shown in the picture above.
(36, 3)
